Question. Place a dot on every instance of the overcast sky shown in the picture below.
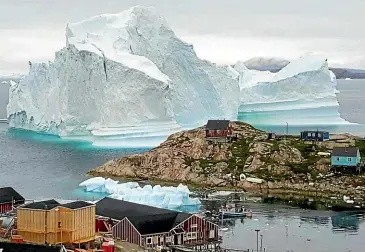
(222, 31)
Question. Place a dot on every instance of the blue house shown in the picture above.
(314, 135)
(345, 157)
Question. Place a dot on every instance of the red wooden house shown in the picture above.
(9, 198)
(218, 129)
(149, 226)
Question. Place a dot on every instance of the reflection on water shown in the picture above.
(347, 221)
(286, 228)
(317, 220)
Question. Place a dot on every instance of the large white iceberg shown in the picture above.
(123, 72)
(126, 80)
(159, 196)
(301, 93)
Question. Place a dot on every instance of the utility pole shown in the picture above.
(261, 236)
(257, 239)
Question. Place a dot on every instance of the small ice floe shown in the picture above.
(345, 198)
(158, 196)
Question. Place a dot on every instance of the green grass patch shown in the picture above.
(240, 152)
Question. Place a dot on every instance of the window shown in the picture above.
(337, 159)
(211, 233)
(349, 159)
(149, 240)
(192, 236)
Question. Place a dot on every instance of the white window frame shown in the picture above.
(192, 236)
(349, 159)
(149, 240)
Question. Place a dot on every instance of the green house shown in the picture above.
(345, 157)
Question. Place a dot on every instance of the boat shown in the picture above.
(231, 212)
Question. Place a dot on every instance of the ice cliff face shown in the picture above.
(126, 76)
(122, 70)
(303, 92)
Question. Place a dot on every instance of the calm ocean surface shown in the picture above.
(45, 167)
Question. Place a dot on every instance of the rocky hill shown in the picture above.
(281, 164)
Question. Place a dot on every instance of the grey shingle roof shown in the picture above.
(146, 219)
(345, 151)
(217, 124)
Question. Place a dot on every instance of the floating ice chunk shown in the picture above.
(159, 196)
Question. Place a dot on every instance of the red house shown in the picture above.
(9, 198)
(149, 226)
(218, 129)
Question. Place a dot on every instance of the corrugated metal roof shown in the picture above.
(345, 151)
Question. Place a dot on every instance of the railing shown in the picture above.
(9, 228)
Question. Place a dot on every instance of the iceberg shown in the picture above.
(126, 80)
(124, 72)
(304, 87)
(168, 197)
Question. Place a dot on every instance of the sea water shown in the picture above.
(42, 167)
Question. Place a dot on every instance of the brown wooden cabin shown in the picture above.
(218, 129)
(9, 198)
(49, 222)
(149, 226)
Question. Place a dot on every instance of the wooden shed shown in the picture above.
(9, 198)
(49, 222)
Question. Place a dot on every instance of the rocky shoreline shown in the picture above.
(279, 166)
